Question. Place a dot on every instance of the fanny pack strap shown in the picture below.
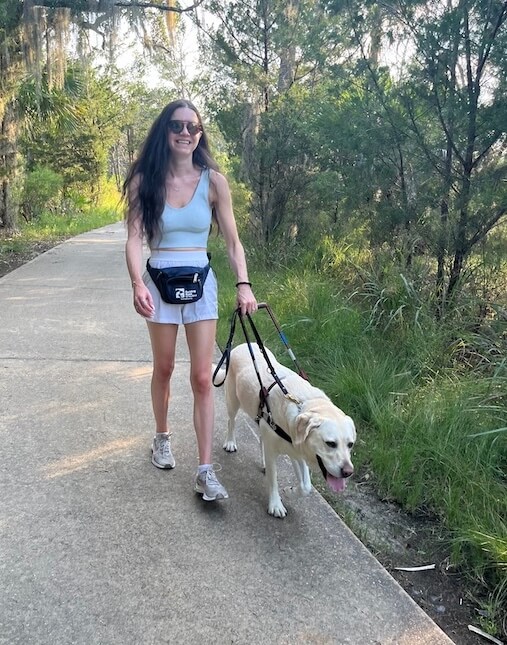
(154, 273)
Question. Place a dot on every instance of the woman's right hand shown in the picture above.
(143, 302)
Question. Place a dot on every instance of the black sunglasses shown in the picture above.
(177, 127)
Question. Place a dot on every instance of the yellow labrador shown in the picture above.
(321, 435)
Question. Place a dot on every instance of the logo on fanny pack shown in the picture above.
(184, 294)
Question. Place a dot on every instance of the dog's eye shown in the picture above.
(331, 444)
(350, 445)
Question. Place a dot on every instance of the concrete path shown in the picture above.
(99, 547)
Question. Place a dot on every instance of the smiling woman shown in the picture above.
(173, 191)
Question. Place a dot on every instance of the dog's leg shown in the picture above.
(305, 482)
(232, 410)
(275, 505)
(230, 440)
(303, 475)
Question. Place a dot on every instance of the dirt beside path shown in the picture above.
(13, 259)
(398, 539)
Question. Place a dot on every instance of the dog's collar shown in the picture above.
(294, 399)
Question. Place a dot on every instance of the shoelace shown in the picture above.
(165, 446)
(211, 477)
(211, 474)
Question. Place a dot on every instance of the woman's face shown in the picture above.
(184, 132)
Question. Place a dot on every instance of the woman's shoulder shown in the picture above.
(217, 179)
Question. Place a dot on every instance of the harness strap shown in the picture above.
(263, 352)
(275, 427)
(264, 411)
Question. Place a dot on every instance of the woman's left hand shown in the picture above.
(246, 300)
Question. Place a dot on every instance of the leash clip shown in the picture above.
(294, 399)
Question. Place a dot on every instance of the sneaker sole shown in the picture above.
(155, 463)
(205, 497)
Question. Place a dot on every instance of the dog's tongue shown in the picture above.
(337, 484)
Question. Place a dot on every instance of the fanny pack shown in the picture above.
(179, 285)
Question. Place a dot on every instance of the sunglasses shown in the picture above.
(176, 127)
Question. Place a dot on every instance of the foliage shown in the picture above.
(431, 416)
(49, 227)
(42, 191)
(73, 129)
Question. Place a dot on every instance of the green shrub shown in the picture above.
(42, 192)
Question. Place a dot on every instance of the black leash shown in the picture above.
(226, 354)
(264, 409)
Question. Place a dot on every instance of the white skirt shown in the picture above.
(204, 309)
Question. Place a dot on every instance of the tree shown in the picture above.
(75, 135)
(450, 118)
(262, 50)
(33, 36)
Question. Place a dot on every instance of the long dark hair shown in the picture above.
(151, 168)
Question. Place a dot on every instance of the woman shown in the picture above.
(173, 190)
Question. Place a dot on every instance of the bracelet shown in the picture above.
(240, 283)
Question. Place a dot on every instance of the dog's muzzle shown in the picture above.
(336, 484)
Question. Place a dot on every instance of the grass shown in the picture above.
(75, 215)
(49, 229)
(430, 402)
(48, 226)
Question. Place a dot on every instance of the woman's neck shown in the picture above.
(180, 169)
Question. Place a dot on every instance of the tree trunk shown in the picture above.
(288, 53)
(462, 248)
(8, 168)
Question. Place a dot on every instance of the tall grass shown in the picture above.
(429, 399)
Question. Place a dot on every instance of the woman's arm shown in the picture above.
(221, 198)
(143, 302)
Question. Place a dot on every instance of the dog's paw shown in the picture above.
(277, 509)
(230, 446)
(292, 492)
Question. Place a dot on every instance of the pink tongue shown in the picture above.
(337, 484)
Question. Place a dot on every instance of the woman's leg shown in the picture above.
(201, 344)
(163, 346)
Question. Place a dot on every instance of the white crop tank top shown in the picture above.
(188, 226)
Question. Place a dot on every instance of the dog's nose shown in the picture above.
(347, 472)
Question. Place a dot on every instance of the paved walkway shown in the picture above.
(99, 547)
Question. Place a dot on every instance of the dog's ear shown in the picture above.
(305, 422)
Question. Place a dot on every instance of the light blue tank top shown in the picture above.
(187, 227)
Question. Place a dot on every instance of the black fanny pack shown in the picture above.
(179, 285)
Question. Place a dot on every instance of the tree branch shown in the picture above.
(486, 228)
(152, 5)
(86, 5)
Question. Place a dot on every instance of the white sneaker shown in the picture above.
(161, 455)
(207, 484)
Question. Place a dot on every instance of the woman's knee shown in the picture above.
(201, 381)
(163, 369)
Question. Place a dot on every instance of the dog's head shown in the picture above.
(326, 436)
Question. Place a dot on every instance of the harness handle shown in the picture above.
(283, 337)
(264, 411)
(263, 352)
(228, 347)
